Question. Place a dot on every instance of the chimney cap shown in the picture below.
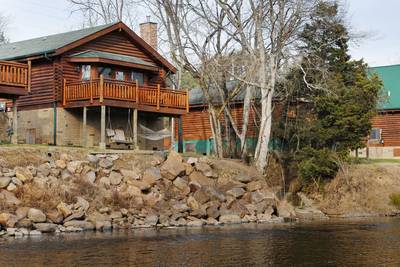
(148, 21)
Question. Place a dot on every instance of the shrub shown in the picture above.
(395, 200)
(316, 165)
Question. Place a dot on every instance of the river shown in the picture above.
(366, 242)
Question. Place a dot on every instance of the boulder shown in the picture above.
(35, 233)
(8, 219)
(92, 159)
(192, 203)
(55, 216)
(8, 198)
(22, 212)
(180, 207)
(4, 182)
(45, 227)
(44, 169)
(194, 186)
(76, 215)
(215, 194)
(194, 222)
(64, 209)
(66, 174)
(106, 163)
(130, 174)
(182, 185)
(11, 187)
(25, 223)
(115, 178)
(151, 175)
(205, 169)
(17, 181)
(23, 174)
(254, 186)
(75, 166)
(192, 161)
(61, 164)
(90, 177)
(85, 225)
(236, 192)
(201, 196)
(105, 181)
(200, 179)
(230, 219)
(132, 190)
(213, 211)
(243, 178)
(173, 166)
(140, 184)
(82, 203)
(151, 220)
(36, 215)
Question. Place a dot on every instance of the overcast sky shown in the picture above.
(379, 19)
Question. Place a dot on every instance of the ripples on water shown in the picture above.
(340, 243)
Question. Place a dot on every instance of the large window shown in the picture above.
(137, 76)
(86, 72)
(119, 75)
(106, 72)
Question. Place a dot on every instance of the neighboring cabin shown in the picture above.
(384, 140)
(83, 85)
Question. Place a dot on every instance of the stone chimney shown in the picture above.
(148, 32)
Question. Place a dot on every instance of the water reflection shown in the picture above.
(339, 243)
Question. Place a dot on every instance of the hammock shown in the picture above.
(149, 134)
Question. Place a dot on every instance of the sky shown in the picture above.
(378, 20)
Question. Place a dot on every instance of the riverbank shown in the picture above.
(64, 190)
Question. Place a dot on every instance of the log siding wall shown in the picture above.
(389, 122)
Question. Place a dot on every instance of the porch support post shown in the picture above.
(14, 138)
(172, 133)
(84, 127)
(102, 144)
(135, 128)
(180, 135)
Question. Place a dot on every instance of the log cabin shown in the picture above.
(93, 87)
(196, 129)
(384, 140)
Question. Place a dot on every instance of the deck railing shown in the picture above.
(15, 74)
(101, 89)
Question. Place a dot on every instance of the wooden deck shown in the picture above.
(124, 94)
(14, 79)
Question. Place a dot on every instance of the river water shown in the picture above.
(367, 242)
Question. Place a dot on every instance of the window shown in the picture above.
(106, 72)
(376, 134)
(86, 72)
(137, 76)
(119, 75)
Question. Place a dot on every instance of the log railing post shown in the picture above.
(91, 91)
(101, 88)
(65, 92)
(137, 92)
(158, 96)
(29, 75)
(187, 100)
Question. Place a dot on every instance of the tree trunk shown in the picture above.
(216, 132)
(246, 112)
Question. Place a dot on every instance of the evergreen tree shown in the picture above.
(334, 98)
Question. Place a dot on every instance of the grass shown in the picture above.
(375, 161)
(395, 200)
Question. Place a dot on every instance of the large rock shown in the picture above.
(75, 166)
(36, 215)
(82, 203)
(85, 225)
(130, 174)
(180, 207)
(4, 182)
(182, 185)
(115, 178)
(201, 196)
(173, 166)
(90, 177)
(9, 198)
(151, 220)
(22, 212)
(236, 192)
(61, 164)
(151, 175)
(132, 190)
(23, 174)
(205, 169)
(8, 219)
(230, 219)
(242, 177)
(140, 184)
(106, 163)
(45, 227)
(64, 209)
(200, 178)
(55, 216)
(254, 186)
(285, 210)
(192, 203)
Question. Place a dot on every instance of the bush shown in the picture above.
(395, 200)
(316, 165)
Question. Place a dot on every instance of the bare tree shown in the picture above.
(3, 28)
(97, 12)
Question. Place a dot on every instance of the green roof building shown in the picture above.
(390, 76)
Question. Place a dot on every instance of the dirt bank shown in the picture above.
(362, 190)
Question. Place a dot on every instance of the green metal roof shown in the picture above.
(46, 44)
(105, 55)
(390, 76)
